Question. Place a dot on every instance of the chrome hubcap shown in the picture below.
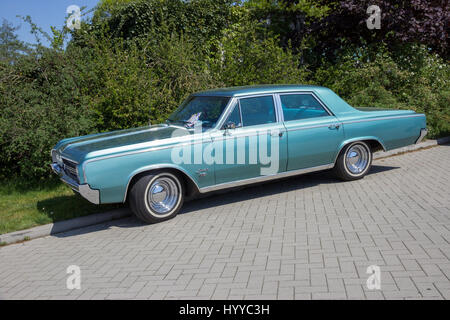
(163, 194)
(356, 159)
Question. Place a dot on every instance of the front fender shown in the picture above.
(156, 167)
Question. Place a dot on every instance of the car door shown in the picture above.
(257, 145)
(313, 132)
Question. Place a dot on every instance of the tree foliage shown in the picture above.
(10, 46)
(405, 21)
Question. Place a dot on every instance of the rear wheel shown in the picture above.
(354, 161)
(157, 197)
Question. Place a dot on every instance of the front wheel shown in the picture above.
(157, 197)
(354, 161)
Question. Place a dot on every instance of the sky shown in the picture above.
(44, 13)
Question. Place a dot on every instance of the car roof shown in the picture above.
(256, 89)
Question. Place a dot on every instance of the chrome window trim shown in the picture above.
(243, 182)
(240, 112)
(277, 116)
(230, 112)
(279, 107)
(225, 114)
(217, 124)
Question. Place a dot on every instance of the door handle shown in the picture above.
(274, 134)
(333, 126)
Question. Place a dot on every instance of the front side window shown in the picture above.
(301, 106)
(257, 110)
(206, 110)
(234, 117)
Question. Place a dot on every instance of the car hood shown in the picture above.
(101, 144)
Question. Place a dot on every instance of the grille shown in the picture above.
(70, 168)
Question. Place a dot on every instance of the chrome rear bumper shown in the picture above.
(92, 195)
(423, 133)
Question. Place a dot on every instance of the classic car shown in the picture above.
(211, 142)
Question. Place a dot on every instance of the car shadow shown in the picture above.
(66, 207)
(212, 200)
(260, 190)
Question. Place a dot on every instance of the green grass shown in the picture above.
(23, 207)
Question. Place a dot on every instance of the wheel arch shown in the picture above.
(191, 187)
(374, 143)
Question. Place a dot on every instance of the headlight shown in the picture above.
(56, 157)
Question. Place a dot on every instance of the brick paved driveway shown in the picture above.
(308, 237)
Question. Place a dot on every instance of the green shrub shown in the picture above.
(41, 102)
(419, 81)
(245, 56)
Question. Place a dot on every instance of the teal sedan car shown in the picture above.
(230, 137)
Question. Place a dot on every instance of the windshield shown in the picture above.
(198, 109)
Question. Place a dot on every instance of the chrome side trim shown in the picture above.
(383, 118)
(423, 133)
(312, 127)
(249, 133)
(194, 141)
(264, 178)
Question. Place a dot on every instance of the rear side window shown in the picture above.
(257, 110)
(301, 106)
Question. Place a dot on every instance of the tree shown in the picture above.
(289, 19)
(10, 46)
(199, 19)
(404, 21)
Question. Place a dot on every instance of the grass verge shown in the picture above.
(25, 207)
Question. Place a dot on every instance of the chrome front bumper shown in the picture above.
(423, 133)
(92, 195)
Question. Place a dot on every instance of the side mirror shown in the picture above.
(230, 125)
